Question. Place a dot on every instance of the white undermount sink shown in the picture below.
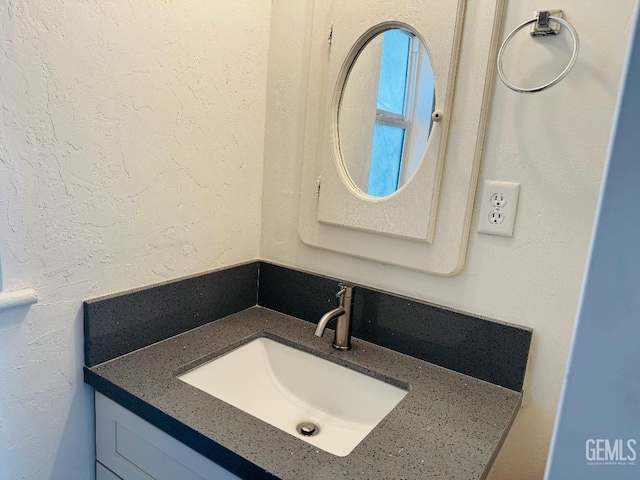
(286, 387)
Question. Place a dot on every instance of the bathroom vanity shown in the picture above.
(448, 425)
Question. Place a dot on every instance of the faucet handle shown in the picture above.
(346, 290)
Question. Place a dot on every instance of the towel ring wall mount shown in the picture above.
(547, 22)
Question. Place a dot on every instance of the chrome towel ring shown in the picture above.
(541, 27)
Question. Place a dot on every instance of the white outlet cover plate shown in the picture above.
(510, 192)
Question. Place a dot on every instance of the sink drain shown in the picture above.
(308, 429)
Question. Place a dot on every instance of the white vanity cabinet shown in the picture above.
(129, 448)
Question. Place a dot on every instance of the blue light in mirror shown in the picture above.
(393, 71)
(388, 140)
(386, 155)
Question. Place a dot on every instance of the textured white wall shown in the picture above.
(554, 143)
(131, 151)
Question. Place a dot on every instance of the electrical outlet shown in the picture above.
(498, 200)
(496, 217)
(498, 208)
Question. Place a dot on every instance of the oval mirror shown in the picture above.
(385, 112)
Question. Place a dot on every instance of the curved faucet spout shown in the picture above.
(342, 338)
(326, 318)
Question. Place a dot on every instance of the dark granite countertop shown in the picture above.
(449, 426)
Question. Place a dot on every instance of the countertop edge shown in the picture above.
(505, 433)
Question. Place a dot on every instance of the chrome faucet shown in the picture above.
(342, 339)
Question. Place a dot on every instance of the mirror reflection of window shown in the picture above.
(403, 117)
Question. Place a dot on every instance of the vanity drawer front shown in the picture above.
(136, 450)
